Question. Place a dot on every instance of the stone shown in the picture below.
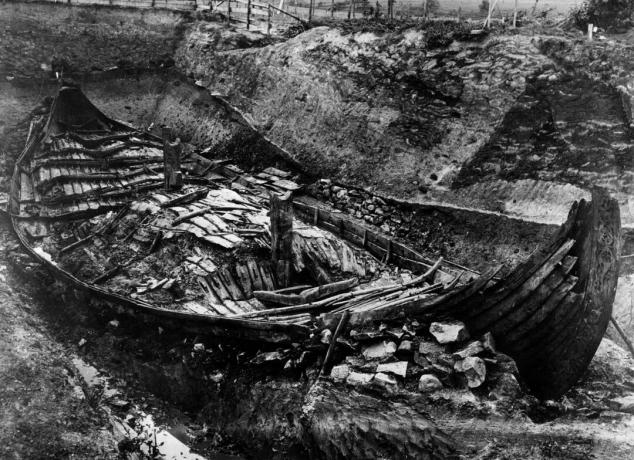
(359, 379)
(268, 358)
(380, 350)
(395, 333)
(449, 332)
(199, 347)
(474, 369)
(386, 381)
(398, 368)
(340, 373)
(430, 350)
(113, 324)
(406, 348)
(325, 336)
(488, 342)
(428, 382)
(472, 349)
(82, 342)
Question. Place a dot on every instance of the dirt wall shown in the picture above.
(35, 37)
(391, 110)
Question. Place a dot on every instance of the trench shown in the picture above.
(236, 410)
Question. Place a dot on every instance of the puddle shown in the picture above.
(154, 440)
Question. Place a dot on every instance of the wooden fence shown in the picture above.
(254, 15)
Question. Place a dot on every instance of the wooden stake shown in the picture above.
(282, 236)
(590, 31)
(172, 151)
(515, 16)
(316, 216)
(488, 20)
(268, 20)
(248, 14)
(425, 9)
(332, 9)
(622, 334)
(333, 340)
(229, 12)
(310, 10)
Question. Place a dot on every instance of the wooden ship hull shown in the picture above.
(89, 199)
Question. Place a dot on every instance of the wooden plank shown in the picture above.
(245, 281)
(214, 301)
(254, 273)
(487, 315)
(267, 277)
(217, 240)
(521, 315)
(533, 329)
(277, 172)
(230, 284)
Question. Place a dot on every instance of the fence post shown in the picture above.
(488, 19)
(425, 9)
(268, 20)
(229, 12)
(354, 8)
(332, 9)
(248, 14)
(515, 16)
(310, 10)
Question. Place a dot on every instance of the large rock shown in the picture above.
(398, 368)
(430, 350)
(340, 373)
(472, 349)
(449, 332)
(405, 349)
(386, 381)
(428, 382)
(474, 369)
(358, 379)
(380, 350)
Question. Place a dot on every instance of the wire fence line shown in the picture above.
(269, 15)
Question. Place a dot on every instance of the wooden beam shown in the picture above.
(282, 236)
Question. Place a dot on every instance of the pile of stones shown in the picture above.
(427, 358)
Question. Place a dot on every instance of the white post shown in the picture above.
(590, 30)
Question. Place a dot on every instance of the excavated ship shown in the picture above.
(167, 235)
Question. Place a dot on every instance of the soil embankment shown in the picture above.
(497, 124)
